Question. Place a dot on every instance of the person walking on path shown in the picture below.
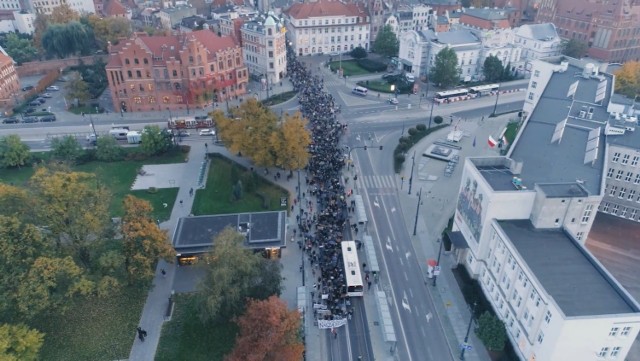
(164, 273)
(141, 333)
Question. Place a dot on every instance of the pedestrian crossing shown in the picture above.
(377, 181)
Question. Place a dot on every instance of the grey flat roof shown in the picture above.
(560, 190)
(567, 271)
(196, 234)
(562, 162)
(458, 37)
(499, 177)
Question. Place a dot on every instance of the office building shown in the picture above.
(264, 47)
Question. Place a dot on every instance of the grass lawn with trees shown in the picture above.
(95, 328)
(185, 337)
(279, 98)
(350, 67)
(217, 197)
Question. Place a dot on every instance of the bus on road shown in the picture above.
(447, 94)
(355, 287)
(484, 89)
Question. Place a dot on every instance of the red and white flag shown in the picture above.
(492, 142)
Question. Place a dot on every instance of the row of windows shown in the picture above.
(333, 48)
(326, 31)
(326, 21)
(607, 352)
(620, 174)
(621, 193)
(620, 211)
(625, 158)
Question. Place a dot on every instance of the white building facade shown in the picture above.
(327, 27)
(47, 6)
(417, 17)
(538, 41)
(264, 47)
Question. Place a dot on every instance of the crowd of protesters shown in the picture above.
(321, 230)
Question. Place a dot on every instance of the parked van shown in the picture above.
(119, 133)
(134, 137)
(410, 77)
(360, 91)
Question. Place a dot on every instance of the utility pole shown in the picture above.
(495, 106)
(415, 224)
(435, 275)
(413, 164)
(466, 337)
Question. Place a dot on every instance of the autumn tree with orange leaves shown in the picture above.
(269, 331)
(144, 241)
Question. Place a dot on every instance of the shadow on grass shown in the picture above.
(258, 195)
(186, 338)
(94, 328)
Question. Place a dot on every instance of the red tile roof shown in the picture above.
(322, 8)
(114, 8)
(212, 41)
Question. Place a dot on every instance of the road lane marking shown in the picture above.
(407, 255)
(411, 292)
(388, 244)
(405, 303)
(405, 276)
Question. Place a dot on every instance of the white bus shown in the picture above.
(484, 89)
(362, 91)
(451, 93)
(355, 287)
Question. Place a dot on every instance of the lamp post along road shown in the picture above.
(415, 224)
(495, 106)
(463, 347)
(413, 164)
(437, 271)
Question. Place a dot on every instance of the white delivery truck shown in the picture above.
(119, 133)
(134, 137)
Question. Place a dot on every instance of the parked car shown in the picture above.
(393, 101)
(48, 118)
(29, 110)
(27, 88)
(53, 88)
(30, 120)
(41, 100)
(206, 132)
(46, 95)
(184, 133)
(10, 120)
(34, 103)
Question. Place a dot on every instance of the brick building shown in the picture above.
(9, 83)
(175, 72)
(610, 28)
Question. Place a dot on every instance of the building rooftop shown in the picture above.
(322, 8)
(543, 32)
(562, 190)
(196, 234)
(567, 271)
(452, 37)
(499, 177)
(564, 161)
(487, 13)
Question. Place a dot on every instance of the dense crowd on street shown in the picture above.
(321, 230)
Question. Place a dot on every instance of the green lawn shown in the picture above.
(217, 197)
(350, 67)
(93, 329)
(279, 98)
(186, 338)
(512, 131)
(119, 177)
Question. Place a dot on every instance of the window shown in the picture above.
(533, 294)
(625, 159)
(623, 212)
(619, 174)
(623, 191)
(615, 208)
(613, 332)
(587, 213)
(547, 317)
(603, 352)
(637, 179)
(615, 351)
(627, 178)
(634, 161)
(579, 236)
(530, 96)
(540, 337)
(534, 84)
(136, 61)
(536, 73)
(616, 157)
(610, 172)
(634, 213)
(625, 331)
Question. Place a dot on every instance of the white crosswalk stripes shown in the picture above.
(378, 181)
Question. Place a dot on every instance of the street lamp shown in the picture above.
(435, 274)
(495, 106)
(413, 164)
(415, 224)
(466, 337)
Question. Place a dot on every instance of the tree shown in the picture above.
(359, 53)
(233, 274)
(73, 205)
(20, 49)
(445, 71)
(155, 141)
(143, 241)
(63, 14)
(17, 202)
(60, 40)
(253, 131)
(628, 79)
(574, 48)
(268, 330)
(386, 43)
(493, 69)
(108, 149)
(491, 332)
(109, 29)
(291, 142)
(66, 148)
(78, 89)
(13, 152)
(437, 119)
(19, 343)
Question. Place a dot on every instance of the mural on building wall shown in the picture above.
(470, 208)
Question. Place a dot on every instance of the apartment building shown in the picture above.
(610, 28)
(9, 83)
(264, 46)
(538, 41)
(172, 17)
(522, 220)
(327, 26)
(47, 6)
(175, 72)
(417, 17)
